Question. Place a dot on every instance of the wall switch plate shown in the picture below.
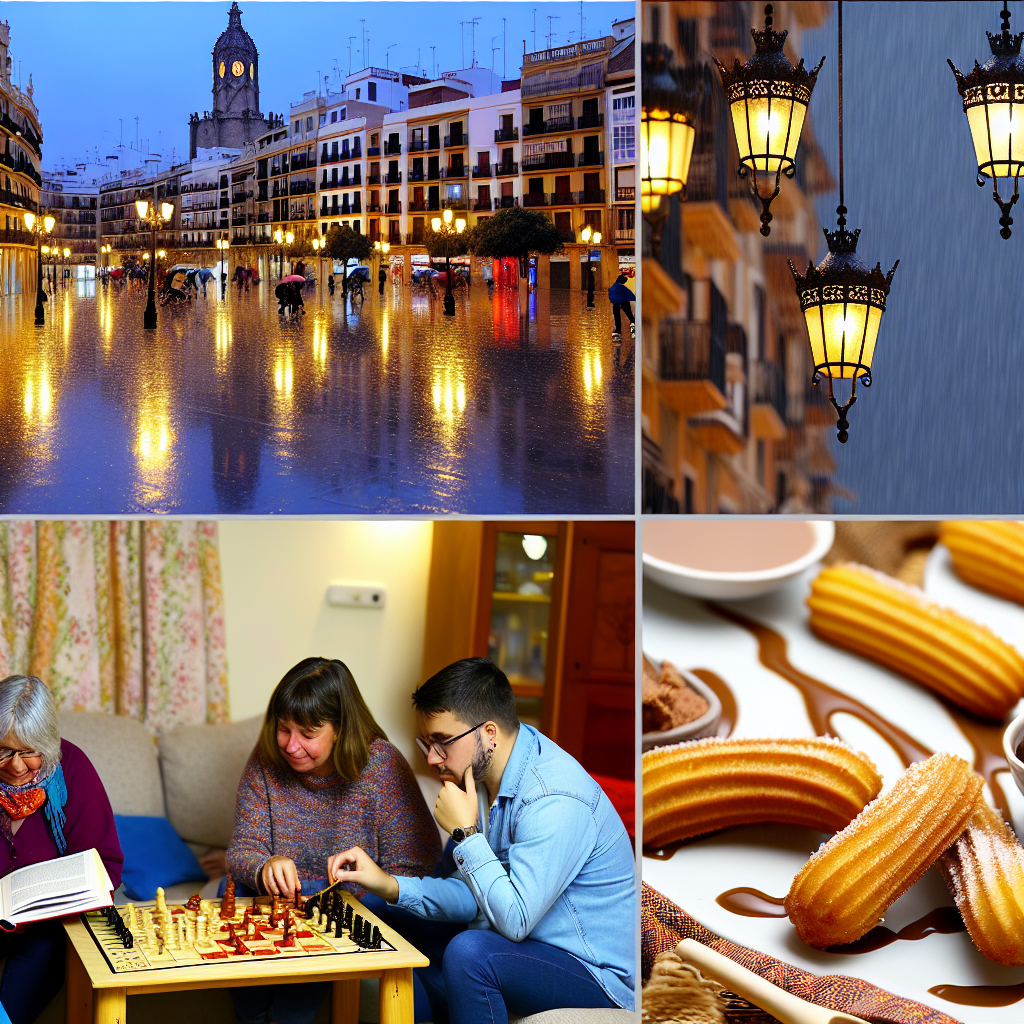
(357, 595)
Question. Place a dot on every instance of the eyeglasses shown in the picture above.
(25, 755)
(438, 747)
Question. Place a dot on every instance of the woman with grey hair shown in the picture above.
(52, 803)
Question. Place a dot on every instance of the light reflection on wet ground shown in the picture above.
(389, 407)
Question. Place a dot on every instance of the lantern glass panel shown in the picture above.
(666, 145)
(844, 339)
(1004, 124)
(761, 127)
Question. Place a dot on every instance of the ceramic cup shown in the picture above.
(695, 730)
(1011, 740)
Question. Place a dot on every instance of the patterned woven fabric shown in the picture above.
(664, 925)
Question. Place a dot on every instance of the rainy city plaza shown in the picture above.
(513, 404)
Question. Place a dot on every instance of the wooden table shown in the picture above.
(97, 995)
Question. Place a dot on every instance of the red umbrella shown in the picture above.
(295, 277)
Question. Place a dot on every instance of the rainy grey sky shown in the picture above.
(98, 66)
(941, 430)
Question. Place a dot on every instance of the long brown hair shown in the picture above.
(313, 693)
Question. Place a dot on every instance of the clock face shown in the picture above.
(222, 69)
(238, 69)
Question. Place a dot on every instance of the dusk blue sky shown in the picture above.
(98, 66)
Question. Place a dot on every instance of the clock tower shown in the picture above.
(235, 118)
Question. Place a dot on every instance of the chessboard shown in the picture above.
(156, 935)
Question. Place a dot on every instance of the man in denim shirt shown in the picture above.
(537, 911)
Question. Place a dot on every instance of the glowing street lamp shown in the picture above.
(667, 130)
(156, 219)
(443, 226)
(39, 229)
(993, 98)
(768, 99)
(586, 236)
(842, 301)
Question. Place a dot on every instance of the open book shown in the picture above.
(54, 888)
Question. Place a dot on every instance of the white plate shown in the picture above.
(683, 630)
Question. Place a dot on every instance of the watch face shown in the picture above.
(238, 69)
(222, 69)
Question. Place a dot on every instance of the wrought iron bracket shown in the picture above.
(765, 201)
(843, 424)
(1004, 207)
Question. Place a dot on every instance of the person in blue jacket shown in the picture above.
(534, 909)
(621, 297)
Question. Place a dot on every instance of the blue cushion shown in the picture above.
(154, 855)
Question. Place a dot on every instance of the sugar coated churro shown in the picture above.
(699, 787)
(988, 555)
(841, 893)
(897, 626)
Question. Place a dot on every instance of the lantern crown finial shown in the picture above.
(1003, 44)
(768, 40)
(841, 240)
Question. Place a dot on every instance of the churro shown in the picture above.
(988, 555)
(897, 626)
(984, 870)
(699, 787)
(841, 893)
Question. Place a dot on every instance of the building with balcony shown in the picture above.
(21, 137)
(71, 197)
(727, 421)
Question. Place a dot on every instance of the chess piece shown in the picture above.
(202, 934)
(227, 904)
(190, 931)
(376, 938)
(161, 904)
(193, 903)
(133, 917)
(357, 929)
(338, 927)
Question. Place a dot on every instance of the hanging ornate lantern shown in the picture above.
(842, 301)
(768, 99)
(993, 98)
(667, 129)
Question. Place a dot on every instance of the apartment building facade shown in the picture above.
(730, 422)
(20, 176)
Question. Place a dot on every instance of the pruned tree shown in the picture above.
(344, 244)
(516, 232)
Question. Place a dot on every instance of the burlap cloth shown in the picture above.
(664, 925)
(899, 549)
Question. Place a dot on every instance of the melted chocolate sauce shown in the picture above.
(751, 903)
(725, 695)
(980, 995)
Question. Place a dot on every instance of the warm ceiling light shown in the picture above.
(768, 99)
(535, 546)
(993, 98)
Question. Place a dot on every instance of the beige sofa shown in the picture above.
(191, 778)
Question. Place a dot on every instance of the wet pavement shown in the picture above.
(389, 407)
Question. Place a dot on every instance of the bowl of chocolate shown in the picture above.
(1013, 748)
(732, 559)
(677, 706)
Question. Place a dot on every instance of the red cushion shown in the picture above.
(622, 794)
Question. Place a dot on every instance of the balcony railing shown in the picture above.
(505, 202)
(373, 150)
(393, 178)
(591, 159)
(8, 197)
(392, 149)
(506, 170)
(535, 128)
(482, 204)
(625, 193)
(455, 141)
(237, 221)
(535, 199)
(372, 207)
(590, 121)
(689, 351)
(482, 172)
(415, 175)
(10, 236)
(416, 145)
(548, 161)
(417, 205)
(506, 135)
(455, 204)
(238, 197)
(394, 208)
(373, 179)
(459, 171)
(432, 175)
(561, 199)
(625, 234)
(768, 386)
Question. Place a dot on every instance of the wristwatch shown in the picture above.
(458, 834)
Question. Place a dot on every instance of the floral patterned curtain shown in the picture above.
(123, 617)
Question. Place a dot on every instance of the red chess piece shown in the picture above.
(227, 905)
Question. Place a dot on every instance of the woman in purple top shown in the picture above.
(52, 803)
(322, 774)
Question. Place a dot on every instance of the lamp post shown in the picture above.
(39, 229)
(318, 245)
(842, 301)
(993, 98)
(156, 219)
(443, 227)
(63, 267)
(280, 237)
(222, 246)
(588, 234)
(768, 100)
(382, 249)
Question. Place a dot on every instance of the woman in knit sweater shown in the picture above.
(323, 778)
